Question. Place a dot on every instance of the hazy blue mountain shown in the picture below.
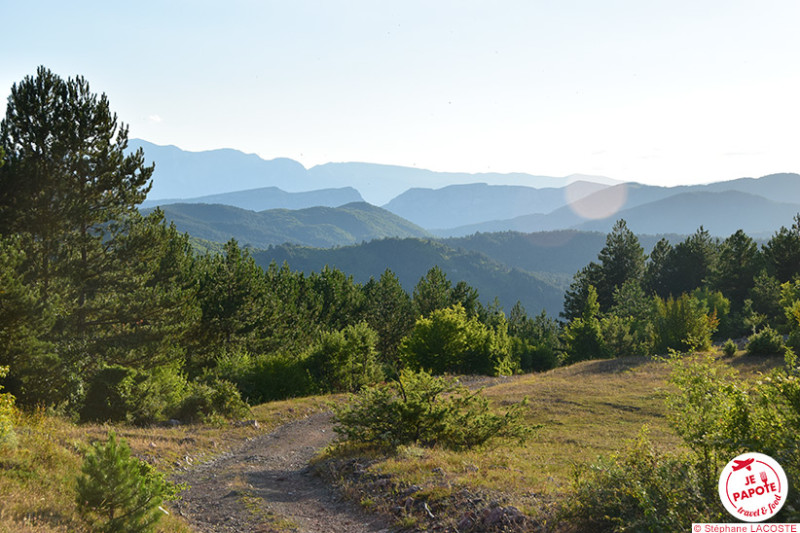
(648, 210)
(410, 259)
(721, 213)
(183, 174)
(270, 198)
(315, 226)
(379, 184)
(457, 205)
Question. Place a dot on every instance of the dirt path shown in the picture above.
(266, 486)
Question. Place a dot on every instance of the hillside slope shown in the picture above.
(410, 259)
(270, 198)
(315, 226)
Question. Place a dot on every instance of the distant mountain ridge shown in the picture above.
(457, 205)
(719, 207)
(270, 198)
(184, 174)
(314, 226)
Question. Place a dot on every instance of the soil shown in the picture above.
(267, 486)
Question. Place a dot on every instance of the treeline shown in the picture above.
(682, 297)
(106, 314)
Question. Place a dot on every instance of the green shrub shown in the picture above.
(118, 493)
(428, 410)
(729, 348)
(449, 340)
(346, 360)
(765, 342)
(684, 324)
(638, 489)
(6, 412)
(212, 396)
(105, 401)
(265, 377)
(583, 337)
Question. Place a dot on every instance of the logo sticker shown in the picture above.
(753, 487)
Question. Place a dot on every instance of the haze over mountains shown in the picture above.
(511, 236)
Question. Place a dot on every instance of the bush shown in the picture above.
(420, 408)
(729, 348)
(213, 396)
(450, 341)
(6, 412)
(265, 377)
(583, 337)
(639, 489)
(683, 324)
(119, 493)
(346, 360)
(122, 394)
(765, 342)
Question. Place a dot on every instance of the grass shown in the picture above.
(586, 410)
(38, 473)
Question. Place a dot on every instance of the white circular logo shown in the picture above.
(753, 487)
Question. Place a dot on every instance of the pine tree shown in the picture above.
(621, 259)
(118, 493)
(389, 312)
(782, 252)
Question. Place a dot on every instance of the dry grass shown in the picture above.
(38, 473)
(587, 410)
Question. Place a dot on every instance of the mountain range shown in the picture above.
(184, 174)
(511, 236)
(314, 226)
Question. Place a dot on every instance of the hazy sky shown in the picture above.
(661, 92)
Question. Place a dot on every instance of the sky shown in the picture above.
(660, 92)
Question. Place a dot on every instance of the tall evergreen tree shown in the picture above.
(688, 265)
(782, 252)
(66, 179)
(654, 275)
(621, 259)
(432, 292)
(735, 268)
(389, 312)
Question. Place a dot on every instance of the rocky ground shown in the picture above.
(267, 486)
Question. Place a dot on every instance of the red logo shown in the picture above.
(753, 487)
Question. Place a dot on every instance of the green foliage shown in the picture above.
(450, 341)
(420, 408)
(118, 493)
(729, 348)
(266, 377)
(535, 342)
(621, 260)
(782, 252)
(720, 416)
(710, 412)
(765, 342)
(432, 292)
(345, 361)
(211, 397)
(583, 337)
(638, 489)
(684, 267)
(683, 324)
(123, 394)
(388, 311)
(6, 412)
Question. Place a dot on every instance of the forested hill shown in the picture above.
(558, 252)
(410, 259)
(313, 226)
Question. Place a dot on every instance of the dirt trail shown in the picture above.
(266, 486)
